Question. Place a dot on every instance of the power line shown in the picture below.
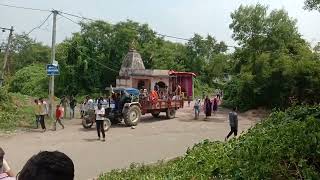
(69, 19)
(81, 17)
(103, 65)
(159, 34)
(26, 8)
(85, 54)
(174, 37)
(86, 18)
(38, 27)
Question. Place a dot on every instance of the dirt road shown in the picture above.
(152, 140)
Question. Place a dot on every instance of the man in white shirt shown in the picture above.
(100, 112)
(43, 113)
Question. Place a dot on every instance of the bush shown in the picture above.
(200, 87)
(286, 145)
(275, 86)
(16, 111)
(5, 99)
(31, 80)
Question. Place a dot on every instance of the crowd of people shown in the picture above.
(57, 165)
(161, 93)
(211, 106)
(41, 111)
(43, 166)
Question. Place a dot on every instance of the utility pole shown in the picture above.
(6, 55)
(53, 56)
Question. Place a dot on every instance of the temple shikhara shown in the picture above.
(134, 74)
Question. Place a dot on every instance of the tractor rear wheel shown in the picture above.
(171, 113)
(132, 115)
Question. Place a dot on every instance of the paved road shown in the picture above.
(152, 140)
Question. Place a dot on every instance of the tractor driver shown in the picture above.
(125, 98)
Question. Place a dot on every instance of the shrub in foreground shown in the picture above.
(285, 145)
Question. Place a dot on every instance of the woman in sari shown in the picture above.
(207, 107)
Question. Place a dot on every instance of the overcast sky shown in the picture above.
(180, 18)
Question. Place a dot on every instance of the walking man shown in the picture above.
(233, 121)
(64, 102)
(100, 121)
(43, 113)
(37, 110)
(73, 104)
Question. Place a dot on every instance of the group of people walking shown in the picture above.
(211, 105)
(41, 111)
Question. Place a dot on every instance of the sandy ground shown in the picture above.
(152, 140)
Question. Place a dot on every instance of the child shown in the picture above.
(59, 116)
(196, 107)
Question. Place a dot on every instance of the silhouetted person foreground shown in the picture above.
(48, 166)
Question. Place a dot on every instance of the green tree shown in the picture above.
(92, 58)
(31, 80)
(312, 5)
(25, 51)
(271, 48)
(203, 54)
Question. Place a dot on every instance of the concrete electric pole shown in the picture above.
(6, 55)
(53, 56)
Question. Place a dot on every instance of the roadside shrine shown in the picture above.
(134, 75)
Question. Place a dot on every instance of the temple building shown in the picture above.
(133, 74)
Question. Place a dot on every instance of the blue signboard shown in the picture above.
(52, 70)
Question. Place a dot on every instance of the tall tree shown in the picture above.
(271, 61)
(312, 5)
(26, 51)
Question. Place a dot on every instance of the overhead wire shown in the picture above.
(77, 16)
(86, 18)
(39, 26)
(69, 18)
(26, 8)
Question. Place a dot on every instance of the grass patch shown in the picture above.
(286, 145)
(16, 112)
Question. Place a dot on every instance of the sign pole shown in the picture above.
(53, 56)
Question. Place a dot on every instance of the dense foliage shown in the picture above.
(273, 64)
(312, 5)
(25, 51)
(284, 146)
(91, 59)
(15, 111)
(31, 80)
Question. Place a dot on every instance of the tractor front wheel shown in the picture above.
(132, 115)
